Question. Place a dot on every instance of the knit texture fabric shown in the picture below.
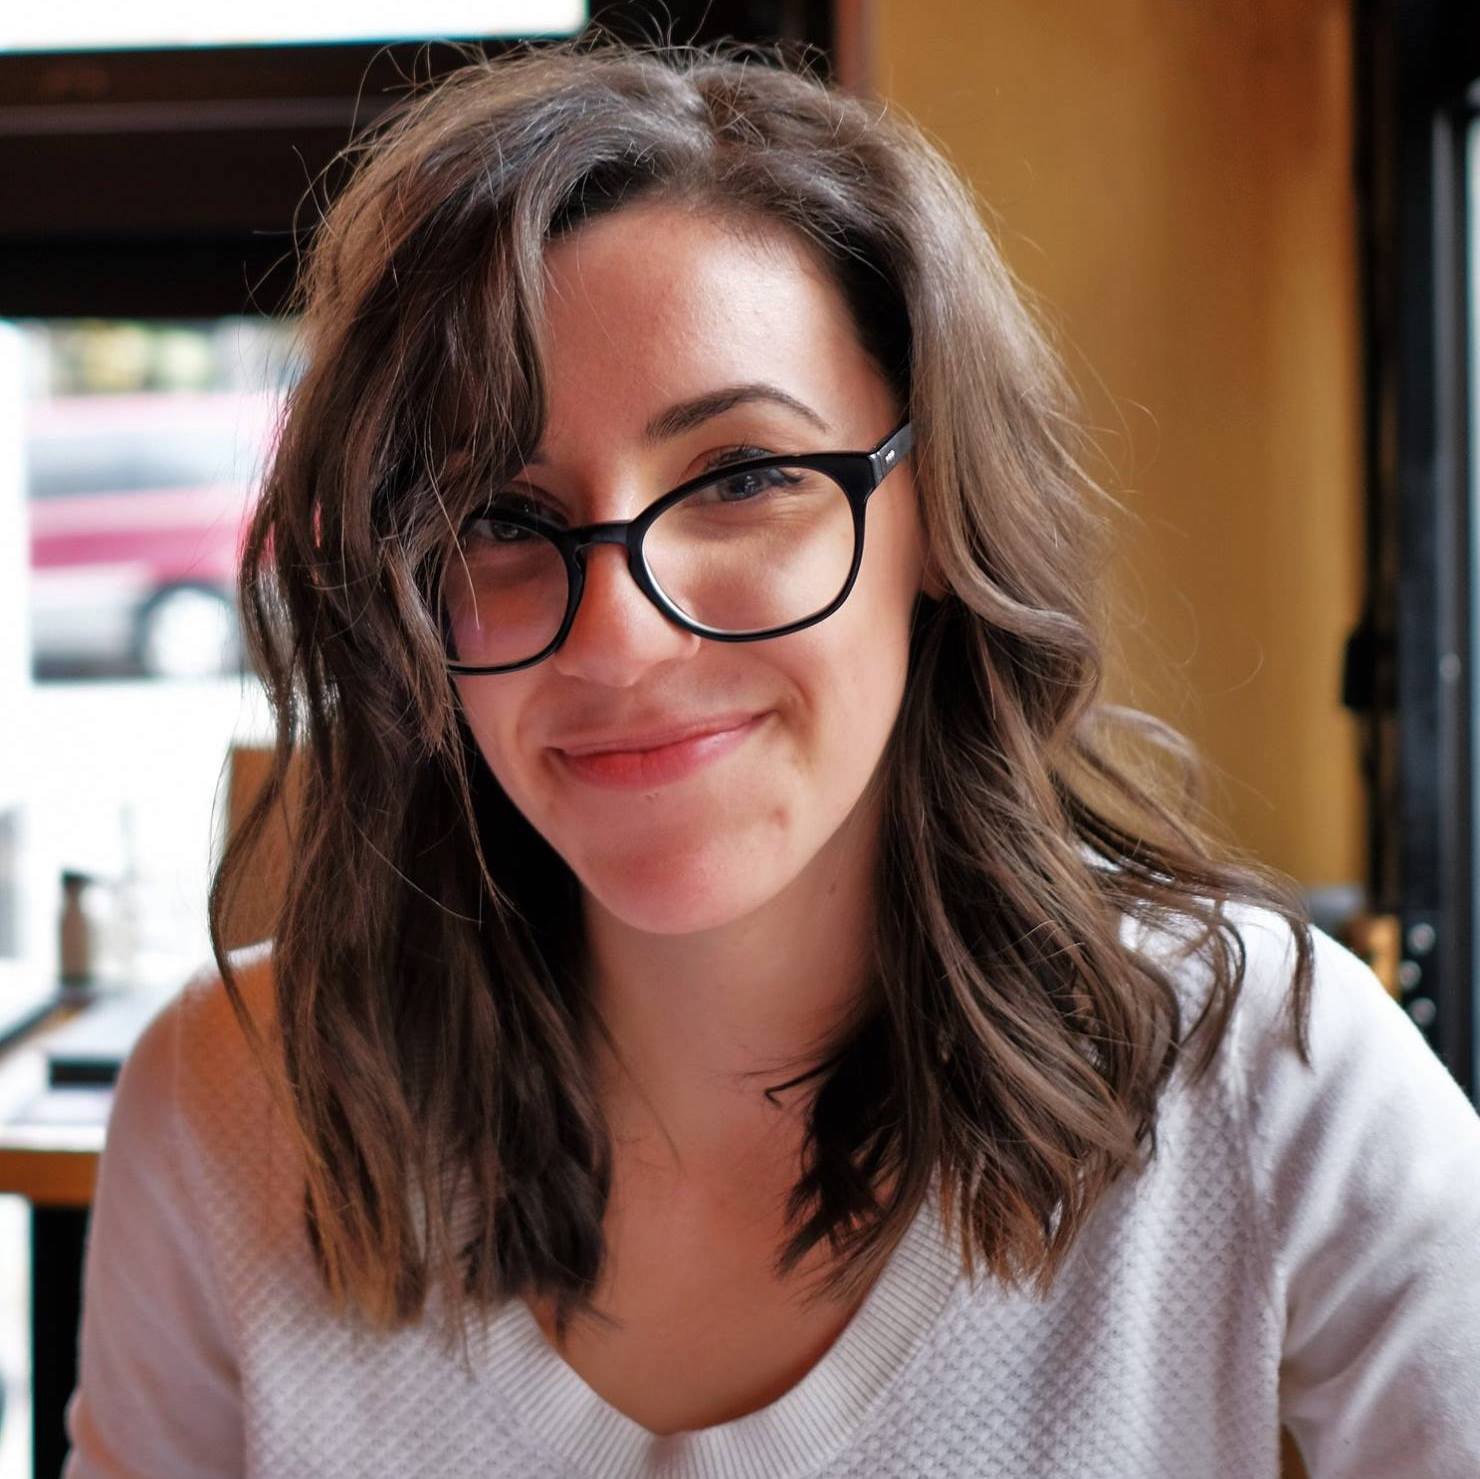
(1304, 1249)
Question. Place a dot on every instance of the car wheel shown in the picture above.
(189, 631)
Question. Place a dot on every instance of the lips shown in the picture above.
(657, 756)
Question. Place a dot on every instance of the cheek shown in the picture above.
(852, 673)
(873, 662)
(491, 706)
(876, 618)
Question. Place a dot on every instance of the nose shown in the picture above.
(617, 634)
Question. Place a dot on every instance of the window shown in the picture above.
(137, 456)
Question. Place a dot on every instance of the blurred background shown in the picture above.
(1251, 226)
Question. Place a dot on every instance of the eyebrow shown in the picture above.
(686, 415)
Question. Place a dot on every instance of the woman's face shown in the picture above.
(648, 310)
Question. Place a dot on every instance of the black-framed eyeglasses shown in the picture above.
(746, 551)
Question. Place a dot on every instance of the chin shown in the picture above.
(681, 894)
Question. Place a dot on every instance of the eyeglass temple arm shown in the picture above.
(889, 452)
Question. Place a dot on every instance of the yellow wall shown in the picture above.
(1174, 178)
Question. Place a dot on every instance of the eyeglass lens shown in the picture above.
(747, 552)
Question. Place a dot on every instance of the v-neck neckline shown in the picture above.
(793, 1435)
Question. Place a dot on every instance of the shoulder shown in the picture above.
(1347, 1004)
(157, 1378)
(1360, 1040)
(1368, 1117)
(1367, 1075)
(193, 1055)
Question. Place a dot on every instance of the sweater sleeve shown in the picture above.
(157, 1393)
(1368, 1166)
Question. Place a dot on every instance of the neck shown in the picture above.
(702, 1024)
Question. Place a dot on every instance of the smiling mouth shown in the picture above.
(644, 764)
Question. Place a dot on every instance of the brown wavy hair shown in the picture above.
(426, 960)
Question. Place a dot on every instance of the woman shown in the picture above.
(738, 1008)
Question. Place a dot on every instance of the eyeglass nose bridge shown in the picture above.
(619, 533)
(623, 534)
(594, 534)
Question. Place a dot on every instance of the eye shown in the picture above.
(493, 531)
(489, 525)
(747, 484)
(743, 485)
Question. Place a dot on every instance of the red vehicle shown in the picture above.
(138, 505)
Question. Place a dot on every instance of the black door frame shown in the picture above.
(1412, 665)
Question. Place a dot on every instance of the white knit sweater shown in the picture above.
(1305, 1249)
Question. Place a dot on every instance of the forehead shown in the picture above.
(656, 303)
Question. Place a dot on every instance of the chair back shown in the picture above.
(252, 915)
